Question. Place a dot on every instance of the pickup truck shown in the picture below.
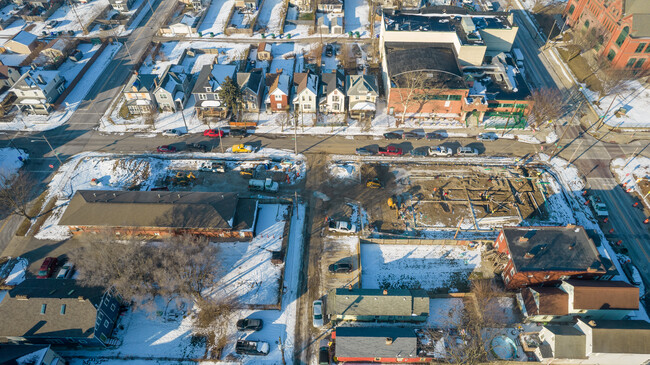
(390, 151)
(342, 226)
(599, 207)
(213, 167)
(257, 348)
(263, 185)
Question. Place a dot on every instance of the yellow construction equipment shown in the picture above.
(392, 202)
(373, 183)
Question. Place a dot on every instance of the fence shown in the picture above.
(417, 241)
(81, 73)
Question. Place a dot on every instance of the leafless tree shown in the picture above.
(548, 104)
(583, 40)
(407, 86)
(15, 193)
(284, 119)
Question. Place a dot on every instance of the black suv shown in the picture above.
(340, 268)
(249, 324)
(197, 147)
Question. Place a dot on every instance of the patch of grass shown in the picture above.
(580, 68)
(36, 208)
(124, 112)
(306, 16)
(43, 217)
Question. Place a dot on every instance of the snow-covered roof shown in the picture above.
(364, 105)
(362, 85)
(23, 37)
(305, 81)
(281, 84)
(34, 77)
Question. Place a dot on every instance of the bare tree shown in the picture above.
(584, 40)
(15, 193)
(548, 104)
(407, 86)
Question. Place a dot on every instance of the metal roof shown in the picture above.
(382, 342)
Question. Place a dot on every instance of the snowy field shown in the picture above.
(72, 101)
(633, 98)
(426, 267)
(250, 277)
(215, 20)
(67, 17)
(356, 16)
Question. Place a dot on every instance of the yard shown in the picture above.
(215, 20)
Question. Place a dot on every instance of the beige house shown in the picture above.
(362, 92)
(37, 90)
(23, 43)
(332, 93)
(8, 76)
(55, 52)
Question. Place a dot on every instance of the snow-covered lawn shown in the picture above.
(69, 18)
(633, 98)
(426, 267)
(356, 16)
(271, 16)
(249, 275)
(629, 170)
(215, 20)
(11, 160)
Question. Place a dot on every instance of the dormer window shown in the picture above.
(208, 89)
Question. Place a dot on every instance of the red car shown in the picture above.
(47, 268)
(390, 151)
(214, 133)
(166, 149)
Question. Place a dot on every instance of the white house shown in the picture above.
(305, 93)
(332, 93)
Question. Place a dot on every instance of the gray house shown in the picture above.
(37, 90)
(252, 89)
(173, 90)
(396, 305)
(332, 92)
(8, 76)
(139, 93)
(24, 354)
(208, 103)
(362, 92)
(58, 312)
(122, 6)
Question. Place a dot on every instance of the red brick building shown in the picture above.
(548, 255)
(625, 23)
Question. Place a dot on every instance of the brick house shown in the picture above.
(277, 92)
(625, 24)
(548, 255)
(160, 213)
(589, 299)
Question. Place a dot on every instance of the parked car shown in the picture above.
(363, 151)
(329, 50)
(213, 167)
(392, 135)
(238, 132)
(440, 151)
(66, 271)
(340, 268)
(318, 313)
(51, 24)
(249, 324)
(197, 147)
(324, 352)
(487, 137)
(599, 207)
(47, 268)
(412, 135)
(166, 149)
(214, 133)
(76, 55)
(256, 348)
(243, 148)
(342, 226)
(419, 152)
(434, 135)
(390, 151)
(172, 133)
(467, 151)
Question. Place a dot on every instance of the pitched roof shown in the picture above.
(251, 81)
(331, 81)
(620, 337)
(373, 302)
(570, 342)
(24, 37)
(590, 294)
(28, 318)
(213, 76)
(552, 248)
(142, 82)
(552, 301)
(12, 354)
(362, 85)
(364, 342)
(279, 82)
(264, 47)
(160, 209)
(305, 81)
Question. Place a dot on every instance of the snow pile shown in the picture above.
(629, 170)
(11, 160)
(528, 139)
(445, 312)
(343, 171)
(567, 171)
(551, 137)
(17, 274)
(427, 267)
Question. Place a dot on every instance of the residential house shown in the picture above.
(8, 76)
(197, 5)
(264, 52)
(277, 92)
(139, 93)
(332, 92)
(38, 10)
(23, 42)
(183, 25)
(123, 6)
(246, 4)
(362, 92)
(173, 90)
(208, 103)
(578, 298)
(304, 6)
(251, 85)
(532, 256)
(305, 92)
(336, 25)
(625, 25)
(378, 345)
(55, 52)
(160, 213)
(376, 305)
(598, 341)
(330, 6)
(37, 90)
(25, 354)
(58, 312)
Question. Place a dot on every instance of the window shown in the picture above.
(279, 106)
(512, 272)
(303, 98)
(572, 9)
(587, 24)
(335, 98)
(336, 107)
(547, 277)
(647, 49)
(356, 98)
(630, 62)
(203, 97)
(43, 307)
(639, 63)
(278, 97)
(611, 54)
(106, 323)
(62, 309)
(640, 48)
(163, 96)
(622, 36)
(208, 89)
(113, 307)
(309, 97)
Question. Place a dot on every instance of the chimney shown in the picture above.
(571, 226)
(22, 297)
(80, 298)
(592, 323)
(523, 239)
(385, 292)
(39, 77)
(389, 341)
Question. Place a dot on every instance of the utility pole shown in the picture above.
(567, 127)
(53, 151)
(180, 107)
(220, 140)
(601, 120)
(574, 152)
(74, 10)
(548, 38)
(295, 135)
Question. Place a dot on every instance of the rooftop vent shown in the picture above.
(22, 297)
(535, 251)
(389, 341)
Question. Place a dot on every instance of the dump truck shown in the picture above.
(213, 167)
(263, 185)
